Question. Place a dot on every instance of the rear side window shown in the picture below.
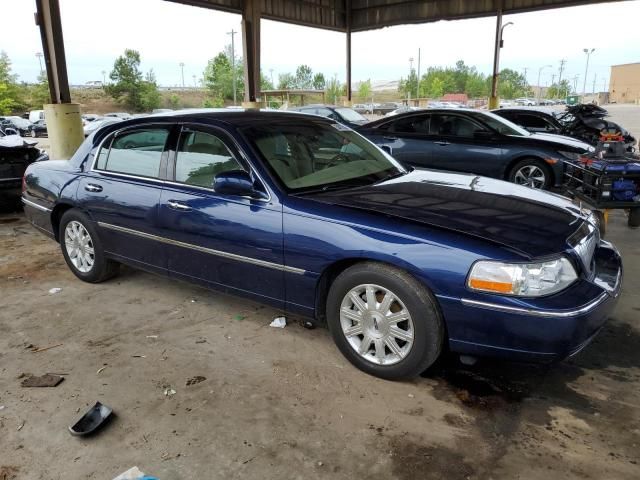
(454, 126)
(136, 153)
(200, 157)
(532, 121)
(412, 124)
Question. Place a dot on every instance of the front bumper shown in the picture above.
(544, 329)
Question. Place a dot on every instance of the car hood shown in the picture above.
(532, 222)
(560, 141)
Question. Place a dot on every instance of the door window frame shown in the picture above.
(458, 137)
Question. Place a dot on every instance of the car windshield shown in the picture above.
(314, 156)
(350, 115)
(504, 126)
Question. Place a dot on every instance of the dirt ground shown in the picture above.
(283, 403)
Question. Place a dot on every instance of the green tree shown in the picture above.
(364, 90)
(286, 81)
(511, 84)
(304, 77)
(333, 91)
(265, 82)
(10, 94)
(409, 85)
(559, 90)
(319, 81)
(219, 76)
(128, 86)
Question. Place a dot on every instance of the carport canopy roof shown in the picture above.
(360, 15)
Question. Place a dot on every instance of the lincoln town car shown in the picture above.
(304, 214)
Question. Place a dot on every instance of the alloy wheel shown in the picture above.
(530, 176)
(79, 246)
(376, 324)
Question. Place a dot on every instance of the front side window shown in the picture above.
(200, 157)
(136, 153)
(413, 124)
(533, 121)
(309, 155)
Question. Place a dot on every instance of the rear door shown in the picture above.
(407, 139)
(121, 193)
(464, 145)
(224, 241)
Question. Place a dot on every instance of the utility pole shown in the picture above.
(182, 72)
(409, 79)
(575, 83)
(586, 69)
(418, 83)
(604, 84)
(233, 62)
(195, 84)
(562, 64)
(594, 83)
(271, 75)
(40, 55)
(540, 73)
(104, 78)
(553, 79)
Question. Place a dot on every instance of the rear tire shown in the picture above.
(531, 172)
(634, 217)
(384, 321)
(82, 248)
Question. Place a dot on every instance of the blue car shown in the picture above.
(473, 141)
(304, 214)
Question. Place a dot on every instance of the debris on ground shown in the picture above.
(42, 349)
(133, 473)
(152, 336)
(279, 322)
(8, 472)
(46, 380)
(239, 317)
(169, 392)
(308, 324)
(201, 340)
(55, 290)
(95, 417)
(139, 356)
(21, 425)
(2, 407)
(195, 380)
(101, 369)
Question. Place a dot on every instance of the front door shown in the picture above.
(227, 242)
(463, 145)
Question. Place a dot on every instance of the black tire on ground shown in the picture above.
(428, 325)
(534, 162)
(634, 217)
(102, 268)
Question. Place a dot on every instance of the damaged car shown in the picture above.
(16, 154)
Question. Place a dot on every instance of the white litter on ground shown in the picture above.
(131, 474)
(279, 322)
(55, 290)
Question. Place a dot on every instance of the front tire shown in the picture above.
(530, 172)
(82, 248)
(384, 321)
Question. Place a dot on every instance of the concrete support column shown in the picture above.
(64, 124)
(251, 48)
(348, 18)
(64, 127)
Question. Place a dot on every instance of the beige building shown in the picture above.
(624, 85)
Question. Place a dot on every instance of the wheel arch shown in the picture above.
(56, 216)
(332, 271)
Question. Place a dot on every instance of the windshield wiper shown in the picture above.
(332, 186)
(391, 176)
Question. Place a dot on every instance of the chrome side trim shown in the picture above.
(13, 179)
(35, 205)
(218, 253)
(538, 313)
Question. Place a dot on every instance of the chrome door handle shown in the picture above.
(178, 206)
(91, 187)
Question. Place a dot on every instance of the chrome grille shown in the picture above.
(584, 242)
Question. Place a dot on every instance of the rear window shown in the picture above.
(136, 153)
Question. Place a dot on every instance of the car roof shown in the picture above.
(235, 117)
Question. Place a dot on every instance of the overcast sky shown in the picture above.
(97, 31)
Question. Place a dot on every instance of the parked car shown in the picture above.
(35, 115)
(306, 215)
(474, 141)
(98, 123)
(16, 154)
(403, 109)
(344, 115)
(384, 108)
(363, 107)
(18, 124)
(121, 115)
(526, 102)
(38, 129)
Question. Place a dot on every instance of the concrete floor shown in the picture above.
(284, 403)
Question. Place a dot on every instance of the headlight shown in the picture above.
(570, 155)
(522, 279)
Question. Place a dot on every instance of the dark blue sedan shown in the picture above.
(306, 215)
(464, 140)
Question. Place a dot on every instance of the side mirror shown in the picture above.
(235, 182)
